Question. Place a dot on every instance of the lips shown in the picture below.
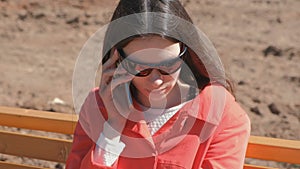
(158, 91)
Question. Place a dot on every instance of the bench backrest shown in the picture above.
(53, 149)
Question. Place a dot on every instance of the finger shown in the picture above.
(111, 61)
(109, 74)
(121, 79)
(106, 78)
(113, 72)
(110, 80)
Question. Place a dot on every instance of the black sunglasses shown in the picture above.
(141, 69)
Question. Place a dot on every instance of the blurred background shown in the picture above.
(258, 42)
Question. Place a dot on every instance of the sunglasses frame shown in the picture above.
(149, 70)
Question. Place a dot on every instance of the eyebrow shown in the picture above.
(123, 55)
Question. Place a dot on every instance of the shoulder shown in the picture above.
(216, 105)
(93, 99)
(227, 111)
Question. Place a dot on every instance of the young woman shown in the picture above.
(163, 101)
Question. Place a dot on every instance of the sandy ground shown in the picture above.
(257, 40)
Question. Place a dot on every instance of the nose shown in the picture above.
(156, 78)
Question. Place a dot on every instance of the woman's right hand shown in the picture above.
(113, 79)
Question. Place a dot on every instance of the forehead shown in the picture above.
(152, 49)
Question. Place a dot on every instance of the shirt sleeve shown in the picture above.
(80, 147)
(107, 151)
(86, 134)
(229, 144)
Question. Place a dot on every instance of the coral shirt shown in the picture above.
(210, 131)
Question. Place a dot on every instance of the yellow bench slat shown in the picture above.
(263, 148)
(8, 165)
(248, 166)
(274, 149)
(38, 120)
(34, 146)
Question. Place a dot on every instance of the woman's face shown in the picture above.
(153, 50)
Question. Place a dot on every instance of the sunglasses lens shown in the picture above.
(144, 73)
(170, 68)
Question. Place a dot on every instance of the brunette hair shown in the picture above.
(170, 8)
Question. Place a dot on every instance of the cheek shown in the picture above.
(174, 77)
(138, 83)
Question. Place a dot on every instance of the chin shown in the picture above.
(161, 94)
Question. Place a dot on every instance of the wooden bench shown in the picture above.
(56, 150)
